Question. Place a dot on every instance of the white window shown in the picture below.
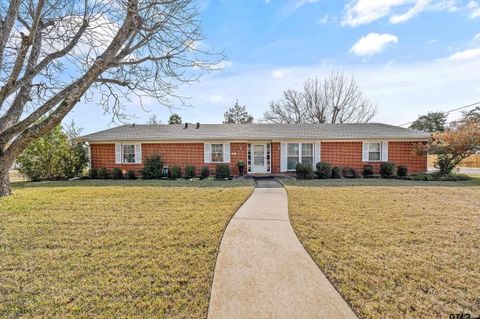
(374, 152)
(299, 153)
(128, 153)
(217, 153)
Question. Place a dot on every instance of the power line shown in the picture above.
(450, 111)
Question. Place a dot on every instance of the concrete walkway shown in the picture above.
(262, 269)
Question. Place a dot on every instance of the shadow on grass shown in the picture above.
(135, 183)
(475, 181)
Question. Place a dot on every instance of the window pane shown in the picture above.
(307, 150)
(128, 152)
(293, 149)
(258, 155)
(374, 147)
(217, 152)
(307, 160)
(292, 161)
(374, 156)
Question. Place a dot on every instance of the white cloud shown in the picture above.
(279, 73)
(216, 98)
(373, 43)
(466, 54)
(475, 9)
(359, 12)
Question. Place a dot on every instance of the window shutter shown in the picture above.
(118, 153)
(207, 153)
(226, 152)
(316, 157)
(138, 153)
(283, 157)
(385, 151)
(365, 152)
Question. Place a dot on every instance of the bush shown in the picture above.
(117, 173)
(387, 169)
(222, 171)
(205, 172)
(92, 173)
(53, 156)
(336, 172)
(190, 172)
(402, 170)
(102, 173)
(368, 171)
(349, 172)
(153, 167)
(304, 171)
(438, 176)
(176, 172)
(324, 170)
(131, 175)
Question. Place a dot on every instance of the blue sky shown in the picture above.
(409, 56)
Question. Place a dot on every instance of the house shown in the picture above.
(265, 148)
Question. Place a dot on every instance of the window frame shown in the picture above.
(216, 152)
(123, 154)
(380, 149)
(300, 153)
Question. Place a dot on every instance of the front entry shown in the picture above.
(259, 159)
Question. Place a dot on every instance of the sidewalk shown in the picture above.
(263, 271)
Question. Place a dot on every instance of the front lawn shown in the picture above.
(394, 252)
(111, 251)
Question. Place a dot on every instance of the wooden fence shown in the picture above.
(472, 161)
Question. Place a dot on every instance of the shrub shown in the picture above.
(324, 170)
(131, 175)
(438, 176)
(205, 172)
(53, 156)
(402, 170)
(387, 169)
(222, 171)
(92, 173)
(117, 173)
(190, 172)
(336, 172)
(349, 172)
(153, 167)
(176, 172)
(102, 173)
(368, 171)
(304, 171)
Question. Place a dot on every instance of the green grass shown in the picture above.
(210, 182)
(382, 182)
(111, 251)
(394, 252)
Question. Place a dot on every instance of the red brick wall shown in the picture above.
(404, 153)
(181, 154)
(275, 158)
(350, 154)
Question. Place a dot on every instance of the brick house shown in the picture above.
(265, 148)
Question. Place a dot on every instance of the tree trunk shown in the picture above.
(5, 189)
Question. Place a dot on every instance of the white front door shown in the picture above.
(259, 161)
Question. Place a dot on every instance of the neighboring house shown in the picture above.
(265, 148)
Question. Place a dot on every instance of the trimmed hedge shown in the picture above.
(189, 172)
(153, 167)
(368, 171)
(205, 172)
(402, 170)
(304, 171)
(222, 171)
(387, 169)
(102, 173)
(324, 170)
(336, 172)
(176, 172)
(117, 173)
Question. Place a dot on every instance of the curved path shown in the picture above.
(262, 269)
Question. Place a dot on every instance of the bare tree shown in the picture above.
(53, 53)
(290, 109)
(337, 99)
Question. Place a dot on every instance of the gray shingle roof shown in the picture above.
(165, 132)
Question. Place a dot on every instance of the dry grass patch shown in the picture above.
(111, 252)
(395, 252)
